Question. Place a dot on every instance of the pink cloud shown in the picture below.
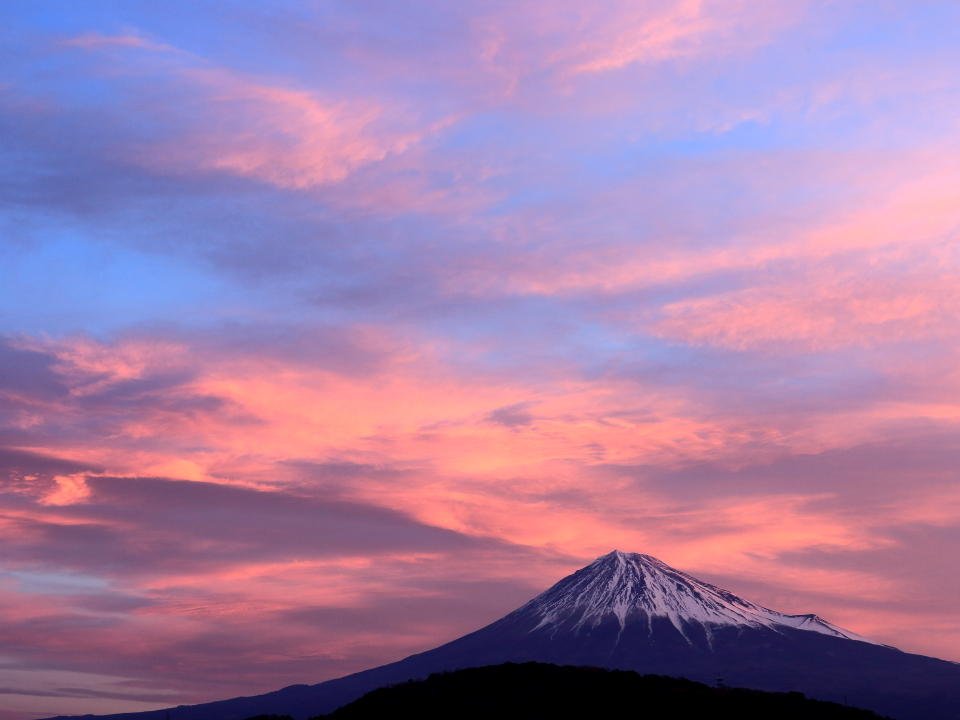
(881, 274)
(305, 499)
(226, 121)
(820, 312)
(575, 39)
(285, 137)
(430, 427)
(656, 31)
(70, 489)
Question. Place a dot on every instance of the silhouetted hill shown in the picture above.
(538, 690)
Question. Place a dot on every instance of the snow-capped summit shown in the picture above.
(638, 588)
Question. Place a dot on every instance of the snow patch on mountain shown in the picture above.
(634, 587)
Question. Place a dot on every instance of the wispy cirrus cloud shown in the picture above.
(217, 119)
(651, 32)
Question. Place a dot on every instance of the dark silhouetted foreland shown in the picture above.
(538, 690)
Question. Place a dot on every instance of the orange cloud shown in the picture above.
(70, 489)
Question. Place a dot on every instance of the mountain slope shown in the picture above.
(632, 612)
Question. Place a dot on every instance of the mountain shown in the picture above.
(637, 588)
(632, 612)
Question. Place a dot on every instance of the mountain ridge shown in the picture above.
(629, 611)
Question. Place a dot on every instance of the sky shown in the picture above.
(333, 330)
